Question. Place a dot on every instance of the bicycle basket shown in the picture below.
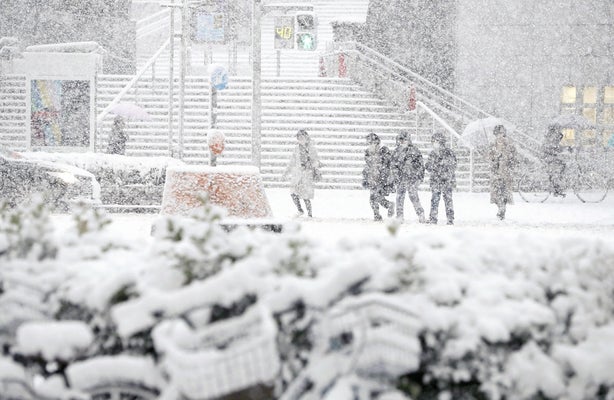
(221, 358)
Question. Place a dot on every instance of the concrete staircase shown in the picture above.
(336, 112)
(13, 116)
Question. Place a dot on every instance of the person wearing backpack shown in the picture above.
(376, 176)
(441, 165)
(407, 172)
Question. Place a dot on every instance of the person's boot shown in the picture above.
(391, 209)
(377, 217)
(421, 218)
(297, 203)
(308, 207)
(501, 213)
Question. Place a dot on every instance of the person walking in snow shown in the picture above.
(303, 170)
(376, 176)
(441, 165)
(503, 159)
(551, 153)
(407, 172)
(118, 137)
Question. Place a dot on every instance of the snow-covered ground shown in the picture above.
(346, 213)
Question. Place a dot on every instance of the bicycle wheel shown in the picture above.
(591, 187)
(534, 186)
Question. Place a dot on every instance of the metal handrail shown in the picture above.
(153, 23)
(155, 16)
(449, 99)
(436, 117)
(367, 50)
(132, 83)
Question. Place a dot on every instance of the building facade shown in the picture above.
(529, 61)
(523, 60)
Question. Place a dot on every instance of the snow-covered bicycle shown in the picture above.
(587, 184)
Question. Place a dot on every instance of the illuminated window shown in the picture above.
(590, 95)
(568, 96)
(607, 117)
(608, 95)
(569, 136)
(590, 114)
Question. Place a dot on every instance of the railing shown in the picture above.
(453, 134)
(132, 85)
(133, 82)
(153, 23)
(394, 81)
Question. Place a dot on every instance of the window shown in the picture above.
(568, 96)
(569, 137)
(590, 114)
(590, 95)
(596, 104)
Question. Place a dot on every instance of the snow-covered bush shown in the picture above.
(26, 231)
(437, 315)
(197, 245)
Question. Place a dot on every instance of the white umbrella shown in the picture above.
(572, 121)
(130, 111)
(479, 133)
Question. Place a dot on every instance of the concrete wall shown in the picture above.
(514, 57)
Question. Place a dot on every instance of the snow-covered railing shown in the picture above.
(74, 47)
(382, 74)
(153, 23)
(133, 83)
(453, 135)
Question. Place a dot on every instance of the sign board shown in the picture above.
(60, 102)
(219, 78)
(208, 27)
(284, 32)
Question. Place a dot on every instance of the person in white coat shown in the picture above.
(303, 171)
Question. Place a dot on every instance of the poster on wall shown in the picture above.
(60, 113)
(208, 27)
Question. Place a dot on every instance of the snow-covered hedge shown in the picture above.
(447, 314)
(123, 180)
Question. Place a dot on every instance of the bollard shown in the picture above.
(342, 66)
(412, 99)
(322, 68)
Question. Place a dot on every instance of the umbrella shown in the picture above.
(479, 133)
(572, 121)
(130, 111)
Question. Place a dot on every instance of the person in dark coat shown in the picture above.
(503, 159)
(376, 176)
(407, 172)
(118, 137)
(441, 165)
(303, 170)
(553, 160)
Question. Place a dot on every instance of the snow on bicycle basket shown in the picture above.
(382, 335)
(221, 358)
